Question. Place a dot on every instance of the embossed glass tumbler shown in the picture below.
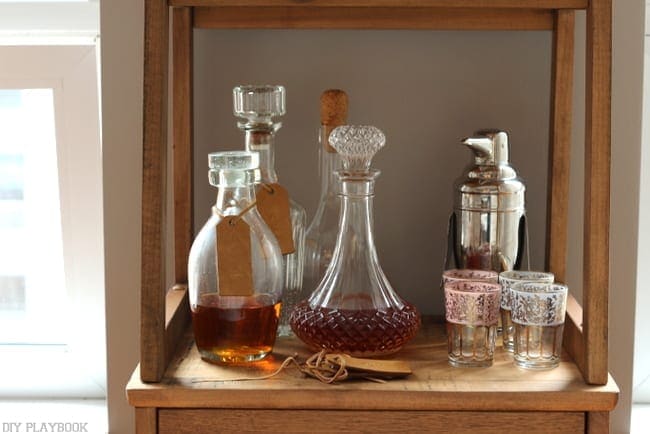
(467, 274)
(508, 279)
(538, 311)
(472, 313)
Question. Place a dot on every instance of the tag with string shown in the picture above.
(234, 263)
(273, 205)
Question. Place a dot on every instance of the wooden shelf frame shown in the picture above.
(586, 329)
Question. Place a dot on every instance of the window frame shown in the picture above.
(79, 369)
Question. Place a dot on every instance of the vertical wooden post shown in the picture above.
(560, 143)
(152, 302)
(597, 422)
(597, 173)
(183, 139)
(146, 420)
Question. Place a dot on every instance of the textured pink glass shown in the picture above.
(464, 274)
(472, 302)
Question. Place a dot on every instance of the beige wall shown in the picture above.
(424, 89)
(121, 48)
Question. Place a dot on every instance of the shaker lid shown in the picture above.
(490, 147)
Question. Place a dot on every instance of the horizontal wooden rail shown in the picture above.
(510, 4)
(414, 18)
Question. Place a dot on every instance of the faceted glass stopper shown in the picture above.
(233, 160)
(233, 168)
(357, 145)
(258, 102)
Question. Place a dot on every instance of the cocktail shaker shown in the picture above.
(488, 224)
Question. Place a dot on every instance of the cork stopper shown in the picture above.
(333, 112)
(333, 107)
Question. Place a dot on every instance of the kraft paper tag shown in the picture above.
(273, 205)
(375, 368)
(234, 257)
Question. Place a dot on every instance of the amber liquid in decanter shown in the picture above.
(238, 334)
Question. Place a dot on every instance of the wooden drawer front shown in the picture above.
(179, 421)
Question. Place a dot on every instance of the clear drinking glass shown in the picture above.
(354, 309)
(257, 105)
(320, 237)
(508, 279)
(538, 311)
(466, 274)
(472, 313)
(242, 327)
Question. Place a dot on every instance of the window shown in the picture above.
(52, 334)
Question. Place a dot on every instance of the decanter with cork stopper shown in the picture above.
(320, 237)
(354, 309)
(257, 106)
(235, 268)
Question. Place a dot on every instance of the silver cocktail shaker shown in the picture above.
(488, 225)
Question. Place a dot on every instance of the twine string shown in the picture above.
(317, 366)
(236, 217)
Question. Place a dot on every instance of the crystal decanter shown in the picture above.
(320, 237)
(257, 105)
(354, 309)
(235, 269)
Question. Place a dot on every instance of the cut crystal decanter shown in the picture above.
(257, 105)
(354, 309)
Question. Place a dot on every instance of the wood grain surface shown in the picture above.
(560, 146)
(264, 17)
(597, 172)
(434, 384)
(515, 4)
(154, 163)
(337, 421)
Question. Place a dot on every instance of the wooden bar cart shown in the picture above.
(166, 388)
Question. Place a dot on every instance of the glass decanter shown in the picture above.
(235, 319)
(354, 309)
(320, 237)
(258, 105)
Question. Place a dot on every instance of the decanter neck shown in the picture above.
(261, 140)
(329, 163)
(231, 200)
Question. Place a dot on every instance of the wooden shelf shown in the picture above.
(575, 397)
(434, 385)
(434, 393)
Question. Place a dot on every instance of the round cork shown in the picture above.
(333, 107)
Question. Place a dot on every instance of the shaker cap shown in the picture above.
(490, 147)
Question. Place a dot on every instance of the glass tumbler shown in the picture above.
(508, 279)
(538, 311)
(466, 274)
(472, 313)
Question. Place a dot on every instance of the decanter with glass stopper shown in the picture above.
(235, 268)
(320, 237)
(257, 105)
(354, 309)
